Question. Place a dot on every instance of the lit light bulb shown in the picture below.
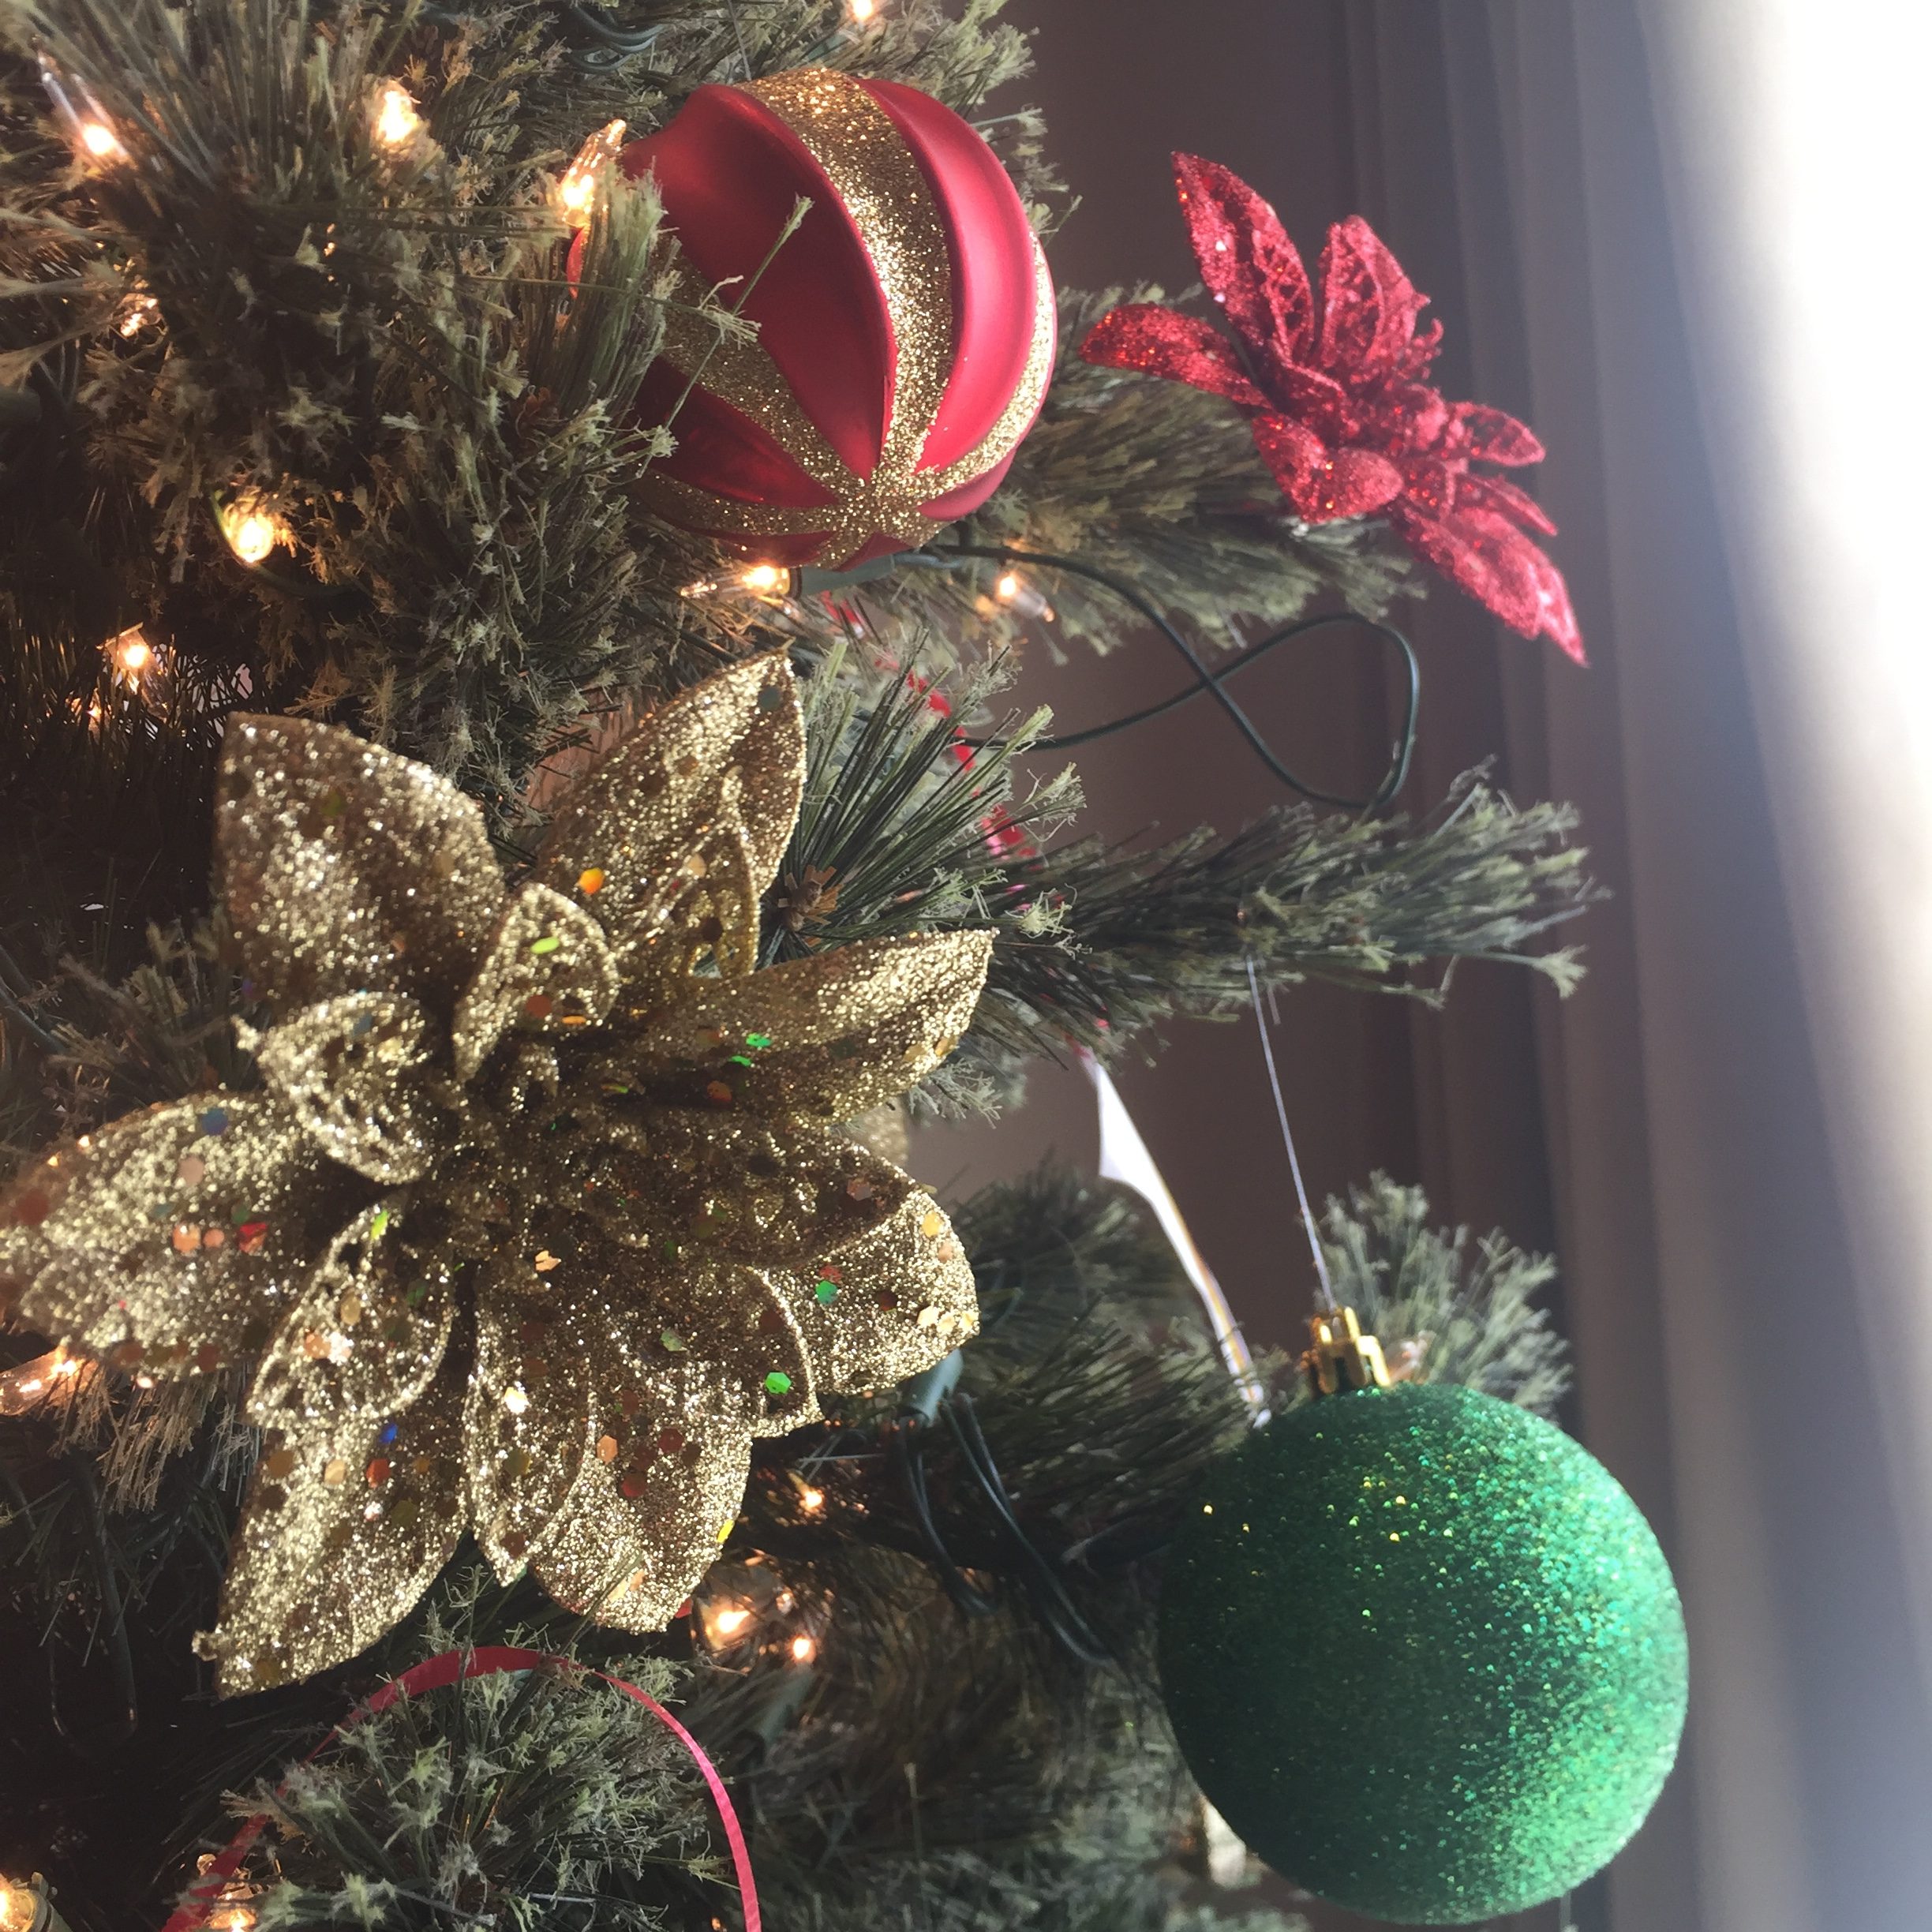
(141, 311)
(804, 1650)
(86, 125)
(576, 193)
(252, 530)
(27, 1905)
(863, 10)
(397, 121)
(727, 1621)
(1013, 590)
(811, 1500)
(129, 652)
(765, 578)
(31, 1385)
(55, 1376)
(232, 1918)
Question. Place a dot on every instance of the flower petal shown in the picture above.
(582, 1345)
(1484, 553)
(547, 970)
(829, 1036)
(1163, 342)
(1324, 485)
(737, 1340)
(1369, 309)
(1558, 619)
(633, 1543)
(352, 1070)
(715, 774)
(1466, 550)
(347, 1522)
(370, 1331)
(526, 1411)
(1429, 484)
(175, 1238)
(887, 1305)
(683, 1366)
(1499, 494)
(1294, 453)
(1497, 437)
(696, 1182)
(1247, 263)
(708, 916)
(345, 867)
(1411, 418)
(1316, 400)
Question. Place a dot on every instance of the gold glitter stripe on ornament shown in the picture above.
(1017, 418)
(695, 508)
(886, 197)
(737, 369)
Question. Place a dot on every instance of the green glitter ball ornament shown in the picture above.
(1423, 1653)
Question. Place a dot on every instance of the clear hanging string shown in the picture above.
(1324, 1288)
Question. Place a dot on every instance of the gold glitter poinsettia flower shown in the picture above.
(542, 1214)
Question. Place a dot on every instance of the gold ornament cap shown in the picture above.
(1340, 1357)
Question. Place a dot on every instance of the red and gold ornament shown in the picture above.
(905, 332)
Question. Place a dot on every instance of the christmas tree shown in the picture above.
(517, 522)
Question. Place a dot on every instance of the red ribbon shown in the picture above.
(204, 1895)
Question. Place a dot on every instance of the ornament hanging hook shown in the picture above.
(1339, 1356)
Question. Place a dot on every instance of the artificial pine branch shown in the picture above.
(78, 1047)
(374, 341)
(908, 824)
(903, 825)
(1307, 895)
(1445, 1313)
(1160, 484)
(515, 1800)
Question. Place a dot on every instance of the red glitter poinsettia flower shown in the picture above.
(1335, 392)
